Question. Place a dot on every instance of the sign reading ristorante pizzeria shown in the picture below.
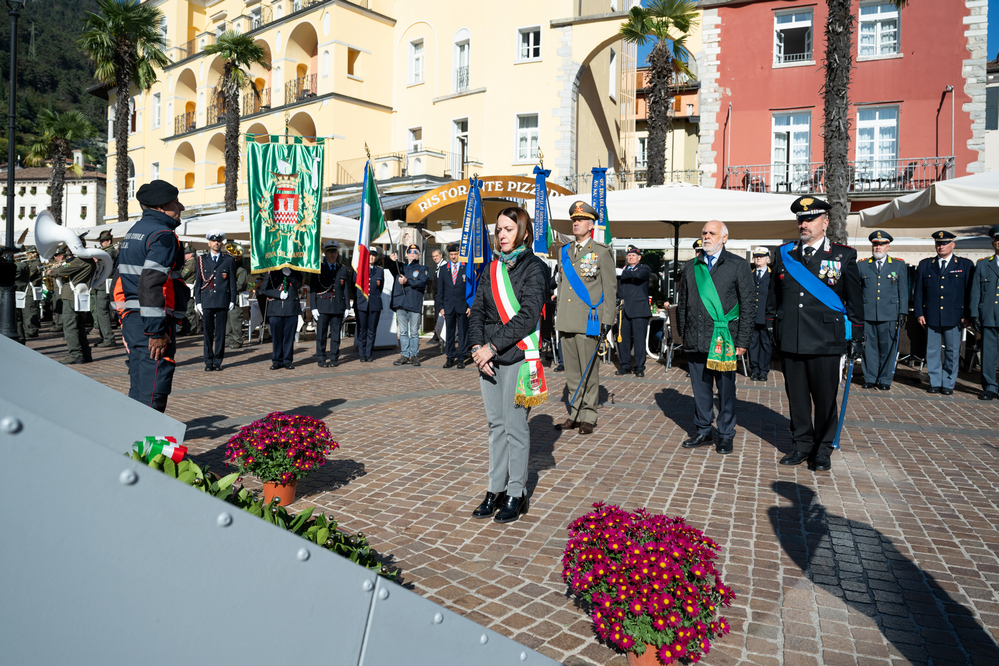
(493, 187)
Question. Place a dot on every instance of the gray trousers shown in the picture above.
(941, 363)
(879, 351)
(990, 349)
(509, 434)
(577, 350)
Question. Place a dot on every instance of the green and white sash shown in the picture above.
(721, 355)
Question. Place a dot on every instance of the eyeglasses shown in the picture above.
(413, 252)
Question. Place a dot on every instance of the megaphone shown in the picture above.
(49, 235)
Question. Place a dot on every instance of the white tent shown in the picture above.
(347, 229)
(967, 201)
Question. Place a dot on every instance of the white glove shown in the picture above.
(286, 270)
(315, 315)
(197, 306)
(231, 305)
(284, 295)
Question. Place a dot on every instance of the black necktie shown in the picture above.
(809, 250)
(880, 264)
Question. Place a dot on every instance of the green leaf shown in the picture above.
(170, 467)
(157, 461)
(183, 466)
(300, 520)
(322, 536)
(187, 477)
(228, 480)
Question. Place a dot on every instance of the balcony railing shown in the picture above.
(782, 59)
(255, 103)
(192, 47)
(461, 79)
(184, 123)
(627, 180)
(216, 113)
(886, 175)
(432, 162)
(301, 88)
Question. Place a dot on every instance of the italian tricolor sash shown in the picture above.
(721, 355)
(531, 387)
(153, 446)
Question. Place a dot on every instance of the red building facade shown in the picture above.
(917, 97)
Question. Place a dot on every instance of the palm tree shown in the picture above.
(124, 41)
(667, 23)
(57, 132)
(836, 123)
(238, 51)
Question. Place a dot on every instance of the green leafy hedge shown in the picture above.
(318, 529)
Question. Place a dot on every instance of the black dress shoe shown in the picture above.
(639, 373)
(724, 447)
(209, 368)
(869, 385)
(275, 366)
(884, 387)
(402, 360)
(510, 509)
(987, 395)
(559, 368)
(696, 441)
(794, 458)
(933, 389)
(217, 368)
(448, 364)
(488, 506)
(461, 365)
(322, 364)
(289, 366)
(755, 377)
(944, 391)
(622, 371)
(335, 363)
(821, 464)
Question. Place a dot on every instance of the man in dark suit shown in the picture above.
(633, 297)
(885, 281)
(368, 309)
(283, 308)
(942, 304)
(985, 314)
(453, 307)
(811, 329)
(716, 308)
(330, 297)
(760, 349)
(214, 295)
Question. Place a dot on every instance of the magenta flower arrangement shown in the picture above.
(281, 448)
(649, 580)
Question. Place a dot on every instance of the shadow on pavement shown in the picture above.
(754, 417)
(861, 566)
(335, 474)
(543, 438)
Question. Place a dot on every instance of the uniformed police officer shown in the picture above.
(453, 307)
(73, 271)
(188, 274)
(633, 296)
(215, 295)
(885, 282)
(587, 287)
(234, 323)
(760, 348)
(368, 309)
(329, 297)
(942, 305)
(100, 300)
(698, 248)
(148, 295)
(283, 307)
(413, 278)
(808, 313)
(985, 314)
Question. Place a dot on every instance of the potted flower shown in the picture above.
(280, 449)
(649, 583)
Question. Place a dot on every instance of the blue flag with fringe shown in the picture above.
(475, 249)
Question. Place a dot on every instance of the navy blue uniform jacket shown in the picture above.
(633, 289)
(377, 280)
(944, 299)
(330, 290)
(215, 282)
(274, 283)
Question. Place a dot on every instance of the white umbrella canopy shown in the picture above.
(967, 201)
(347, 229)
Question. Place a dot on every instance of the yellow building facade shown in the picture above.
(437, 88)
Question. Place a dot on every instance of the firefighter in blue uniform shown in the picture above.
(330, 291)
(885, 281)
(636, 311)
(150, 295)
(760, 348)
(942, 304)
(985, 314)
(214, 296)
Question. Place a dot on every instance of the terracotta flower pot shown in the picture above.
(285, 492)
(647, 659)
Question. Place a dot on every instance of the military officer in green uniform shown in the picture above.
(100, 300)
(32, 310)
(985, 314)
(189, 326)
(73, 271)
(234, 326)
(885, 282)
(586, 309)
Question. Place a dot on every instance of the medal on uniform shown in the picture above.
(823, 270)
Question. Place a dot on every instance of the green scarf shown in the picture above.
(721, 355)
(510, 258)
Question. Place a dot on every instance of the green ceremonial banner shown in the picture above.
(286, 185)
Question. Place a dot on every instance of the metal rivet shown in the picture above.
(483, 639)
(383, 593)
(10, 425)
(128, 477)
(438, 618)
(303, 554)
(224, 520)
(368, 586)
(523, 656)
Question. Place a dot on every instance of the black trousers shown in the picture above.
(760, 350)
(214, 321)
(150, 381)
(329, 325)
(457, 323)
(364, 335)
(283, 339)
(633, 332)
(812, 383)
(703, 382)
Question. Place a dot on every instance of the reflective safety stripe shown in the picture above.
(153, 266)
(150, 311)
(129, 269)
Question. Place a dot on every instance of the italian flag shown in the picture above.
(601, 231)
(153, 446)
(372, 226)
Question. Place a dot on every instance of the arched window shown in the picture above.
(326, 64)
(462, 59)
(221, 176)
(383, 171)
(188, 181)
(131, 178)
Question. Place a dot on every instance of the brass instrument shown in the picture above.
(235, 249)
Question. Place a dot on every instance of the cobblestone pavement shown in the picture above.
(889, 559)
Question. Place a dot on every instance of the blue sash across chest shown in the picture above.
(576, 282)
(815, 286)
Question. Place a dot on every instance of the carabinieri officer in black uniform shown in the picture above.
(330, 291)
(760, 348)
(810, 329)
(214, 295)
(633, 296)
(283, 307)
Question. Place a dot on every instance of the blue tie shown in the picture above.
(711, 261)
